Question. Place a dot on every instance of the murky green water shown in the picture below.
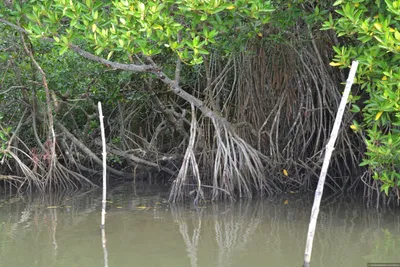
(143, 230)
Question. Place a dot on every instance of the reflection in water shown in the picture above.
(53, 220)
(104, 245)
(232, 233)
(62, 230)
(191, 243)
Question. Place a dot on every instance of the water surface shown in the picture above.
(142, 229)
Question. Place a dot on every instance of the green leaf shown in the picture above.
(99, 50)
(141, 7)
(337, 2)
(63, 50)
(355, 108)
(80, 26)
(96, 15)
(110, 55)
(397, 35)
(18, 7)
(385, 187)
(2, 136)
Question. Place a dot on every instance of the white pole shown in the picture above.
(329, 149)
(103, 138)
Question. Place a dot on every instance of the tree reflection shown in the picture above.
(179, 215)
(62, 230)
(234, 227)
(345, 230)
(233, 224)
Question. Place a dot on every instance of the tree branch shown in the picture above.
(116, 65)
(85, 54)
(139, 68)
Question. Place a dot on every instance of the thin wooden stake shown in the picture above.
(104, 200)
(103, 138)
(329, 149)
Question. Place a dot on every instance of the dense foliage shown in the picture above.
(188, 28)
(373, 38)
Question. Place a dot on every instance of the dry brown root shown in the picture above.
(189, 160)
